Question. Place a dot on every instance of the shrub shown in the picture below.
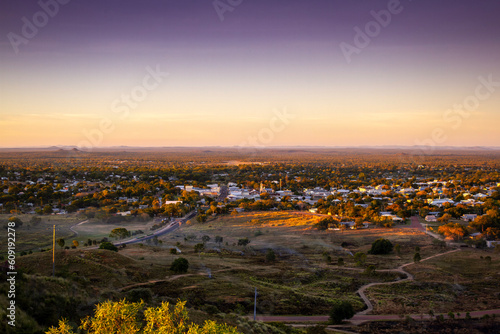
(180, 265)
(341, 311)
(270, 255)
(108, 246)
(381, 246)
(199, 248)
(417, 257)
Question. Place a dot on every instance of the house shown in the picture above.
(172, 202)
(430, 218)
(394, 217)
(349, 224)
(469, 217)
(440, 202)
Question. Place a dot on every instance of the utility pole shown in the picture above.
(255, 306)
(54, 252)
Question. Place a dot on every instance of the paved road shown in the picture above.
(362, 318)
(224, 192)
(415, 223)
(164, 230)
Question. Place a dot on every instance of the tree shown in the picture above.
(108, 246)
(76, 243)
(360, 258)
(47, 210)
(129, 318)
(243, 242)
(60, 242)
(180, 266)
(199, 247)
(397, 248)
(17, 221)
(417, 257)
(370, 270)
(445, 218)
(270, 255)
(205, 239)
(341, 311)
(219, 239)
(381, 246)
(119, 233)
(452, 230)
(324, 223)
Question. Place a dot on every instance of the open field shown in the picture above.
(34, 236)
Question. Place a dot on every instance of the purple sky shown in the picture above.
(265, 54)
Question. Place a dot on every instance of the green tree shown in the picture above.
(243, 242)
(360, 258)
(180, 266)
(270, 255)
(219, 239)
(119, 233)
(397, 249)
(199, 248)
(205, 239)
(417, 257)
(381, 246)
(341, 311)
(61, 242)
(108, 246)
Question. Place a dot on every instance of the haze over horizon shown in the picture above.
(260, 73)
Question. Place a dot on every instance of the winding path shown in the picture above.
(409, 277)
(80, 223)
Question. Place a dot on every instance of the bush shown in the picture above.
(199, 248)
(270, 255)
(417, 257)
(381, 246)
(180, 265)
(108, 246)
(341, 311)
(136, 295)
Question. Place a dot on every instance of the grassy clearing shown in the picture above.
(33, 237)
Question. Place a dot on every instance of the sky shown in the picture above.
(249, 73)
